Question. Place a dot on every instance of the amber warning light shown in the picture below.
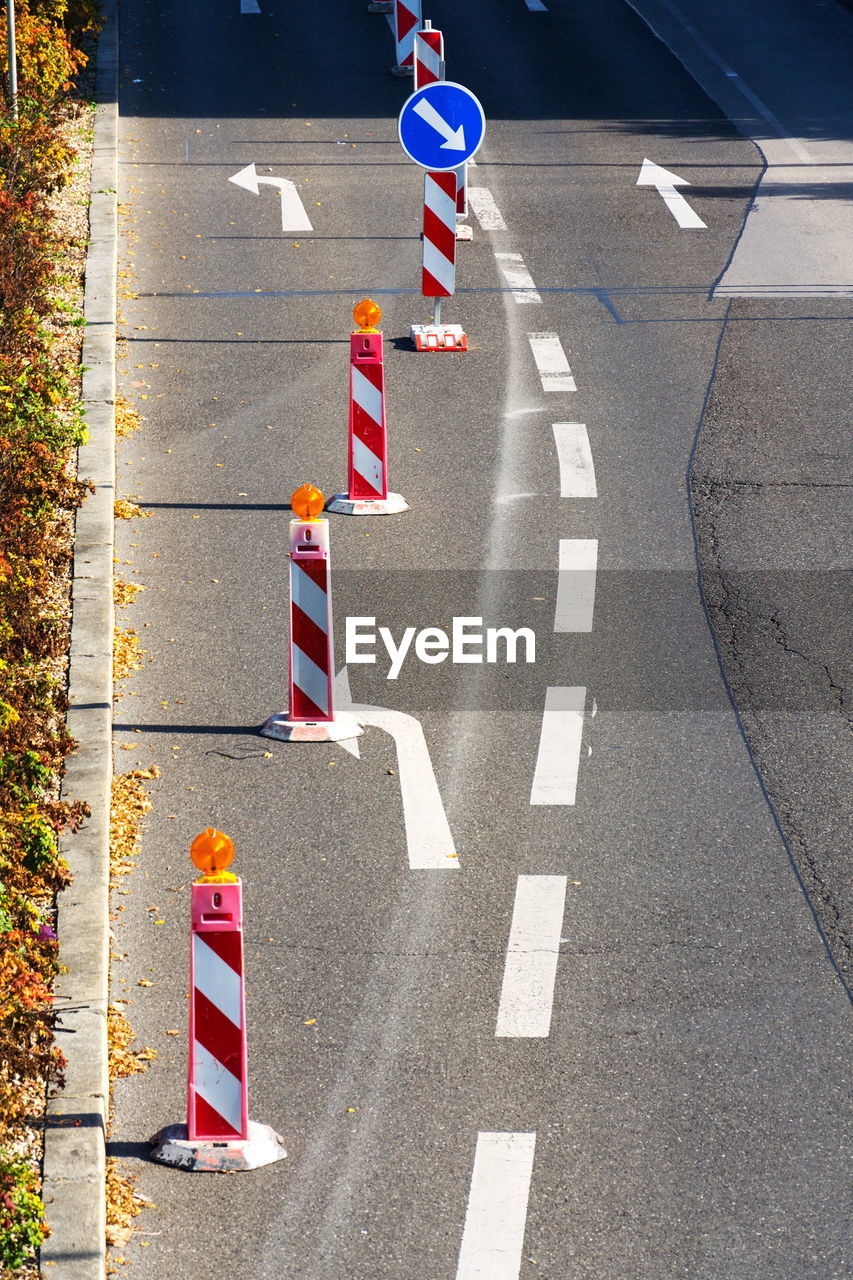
(213, 852)
(308, 502)
(367, 315)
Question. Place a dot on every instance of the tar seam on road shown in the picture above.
(74, 1142)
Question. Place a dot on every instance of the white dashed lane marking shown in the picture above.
(577, 473)
(486, 211)
(493, 1236)
(576, 585)
(517, 276)
(536, 6)
(551, 362)
(555, 777)
(527, 994)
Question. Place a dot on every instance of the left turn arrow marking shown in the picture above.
(293, 215)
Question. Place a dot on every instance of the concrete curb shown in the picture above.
(75, 1132)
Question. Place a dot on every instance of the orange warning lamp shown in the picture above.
(212, 852)
(367, 315)
(308, 502)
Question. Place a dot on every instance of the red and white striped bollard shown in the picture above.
(429, 56)
(438, 279)
(367, 436)
(407, 20)
(218, 1136)
(310, 716)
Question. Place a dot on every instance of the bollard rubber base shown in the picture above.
(401, 71)
(263, 1146)
(464, 232)
(439, 337)
(283, 730)
(344, 505)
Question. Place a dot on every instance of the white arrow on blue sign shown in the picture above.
(441, 126)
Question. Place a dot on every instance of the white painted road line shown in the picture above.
(577, 472)
(576, 585)
(486, 211)
(536, 6)
(527, 994)
(517, 277)
(555, 778)
(493, 1236)
(551, 362)
(429, 840)
(249, 6)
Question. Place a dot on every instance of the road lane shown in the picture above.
(698, 1025)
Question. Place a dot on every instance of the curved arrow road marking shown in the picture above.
(454, 138)
(428, 836)
(652, 175)
(293, 215)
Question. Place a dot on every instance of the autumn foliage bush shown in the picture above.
(40, 425)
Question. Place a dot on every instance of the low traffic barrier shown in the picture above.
(368, 436)
(429, 56)
(407, 20)
(310, 716)
(218, 1136)
(438, 279)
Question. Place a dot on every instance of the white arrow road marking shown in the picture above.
(577, 472)
(555, 778)
(428, 837)
(652, 175)
(493, 1236)
(293, 215)
(454, 138)
(527, 994)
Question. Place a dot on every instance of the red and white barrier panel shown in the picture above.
(429, 56)
(429, 68)
(463, 232)
(439, 263)
(407, 20)
(311, 690)
(439, 260)
(368, 437)
(218, 1135)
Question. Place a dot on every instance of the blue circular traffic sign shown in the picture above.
(441, 126)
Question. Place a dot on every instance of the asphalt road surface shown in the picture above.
(606, 1034)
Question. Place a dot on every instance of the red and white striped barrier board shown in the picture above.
(312, 674)
(407, 20)
(218, 1135)
(217, 1093)
(311, 686)
(462, 191)
(368, 438)
(439, 258)
(429, 57)
(368, 452)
